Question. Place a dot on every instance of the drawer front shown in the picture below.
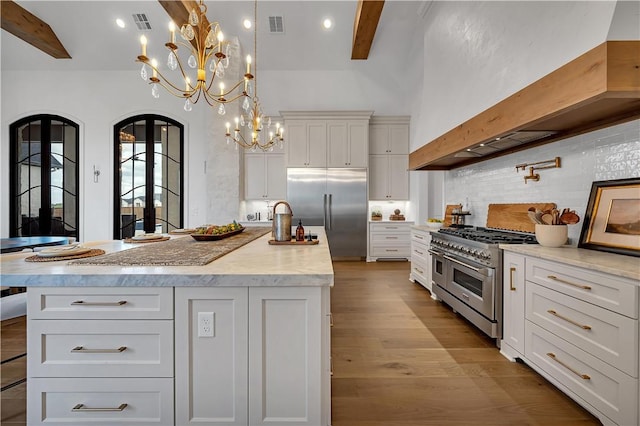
(420, 237)
(610, 292)
(609, 336)
(419, 272)
(391, 251)
(100, 402)
(94, 348)
(100, 302)
(400, 228)
(419, 253)
(388, 238)
(605, 388)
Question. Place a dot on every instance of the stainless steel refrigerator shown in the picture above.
(333, 198)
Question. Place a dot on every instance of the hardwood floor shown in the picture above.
(399, 359)
(13, 400)
(402, 359)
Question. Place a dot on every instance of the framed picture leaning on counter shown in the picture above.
(612, 219)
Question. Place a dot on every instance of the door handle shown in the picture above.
(330, 211)
(484, 271)
(324, 210)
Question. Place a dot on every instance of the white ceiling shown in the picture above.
(87, 29)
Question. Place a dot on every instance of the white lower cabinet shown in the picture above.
(243, 356)
(100, 402)
(420, 257)
(389, 240)
(266, 362)
(513, 301)
(92, 360)
(211, 371)
(578, 328)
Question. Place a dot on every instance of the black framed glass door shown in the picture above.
(148, 176)
(44, 176)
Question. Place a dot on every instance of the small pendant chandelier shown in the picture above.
(253, 117)
(204, 42)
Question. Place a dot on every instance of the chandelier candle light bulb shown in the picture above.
(253, 117)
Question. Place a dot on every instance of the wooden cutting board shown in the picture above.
(448, 217)
(514, 217)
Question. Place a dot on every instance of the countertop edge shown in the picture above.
(609, 263)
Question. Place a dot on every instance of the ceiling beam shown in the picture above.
(364, 27)
(179, 10)
(28, 27)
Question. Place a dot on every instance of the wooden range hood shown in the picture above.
(598, 89)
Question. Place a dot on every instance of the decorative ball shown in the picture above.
(397, 211)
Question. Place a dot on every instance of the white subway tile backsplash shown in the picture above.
(606, 154)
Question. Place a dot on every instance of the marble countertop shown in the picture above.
(610, 263)
(424, 228)
(252, 265)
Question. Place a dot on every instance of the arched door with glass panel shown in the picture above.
(44, 176)
(148, 176)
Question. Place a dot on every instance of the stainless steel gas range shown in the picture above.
(467, 272)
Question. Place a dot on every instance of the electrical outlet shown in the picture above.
(205, 324)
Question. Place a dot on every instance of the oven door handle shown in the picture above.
(484, 271)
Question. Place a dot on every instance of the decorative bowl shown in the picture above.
(435, 225)
(551, 235)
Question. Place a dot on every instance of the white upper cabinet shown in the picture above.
(348, 143)
(327, 138)
(389, 158)
(306, 143)
(389, 138)
(265, 176)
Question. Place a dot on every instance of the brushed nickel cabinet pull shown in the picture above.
(569, 320)
(391, 250)
(83, 303)
(419, 252)
(419, 237)
(420, 271)
(582, 286)
(81, 407)
(582, 376)
(331, 366)
(98, 351)
(330, 319)
(511, 271)
(391, 238)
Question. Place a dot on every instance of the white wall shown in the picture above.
(96, 101)
(478, 53)
(611, 153)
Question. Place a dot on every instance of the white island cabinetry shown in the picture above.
(100, 356)
(232, 342)
(572, 315)
(264, 362)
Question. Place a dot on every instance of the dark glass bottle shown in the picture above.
(300, 231)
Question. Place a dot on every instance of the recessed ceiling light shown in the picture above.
(327, 24)
(247, 23)
(120, 23)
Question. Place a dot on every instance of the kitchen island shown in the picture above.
(243, 340)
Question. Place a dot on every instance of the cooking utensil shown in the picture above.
(547, 219)
(569, 217)
(532, 216)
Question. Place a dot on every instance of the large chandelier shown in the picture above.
(204, 42)
(253, 117)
